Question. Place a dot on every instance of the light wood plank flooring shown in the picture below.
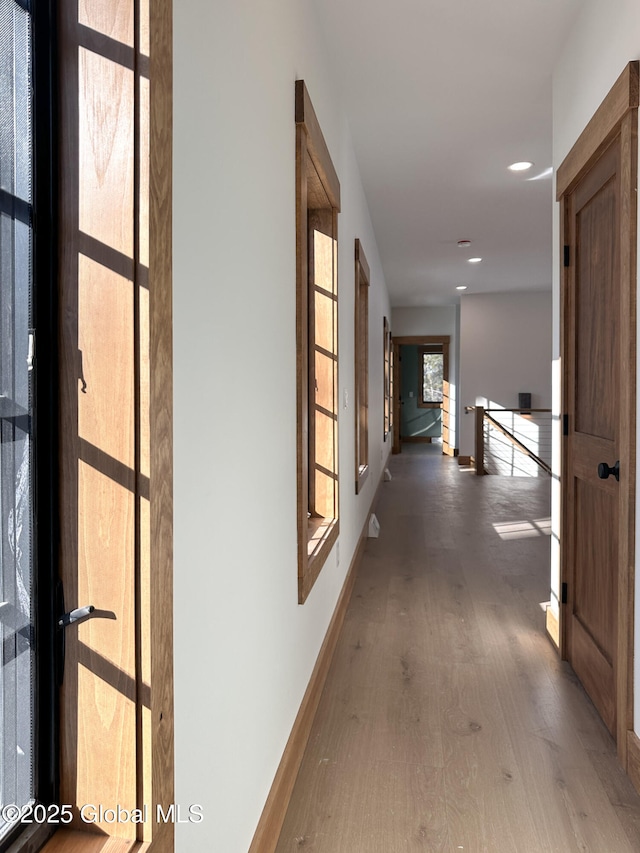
(447, 721)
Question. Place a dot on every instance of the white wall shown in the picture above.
(436, 320)
(605, 38)
(505, 349)
(244, 648)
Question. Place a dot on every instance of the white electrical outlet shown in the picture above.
(337, 553)
(345, 396)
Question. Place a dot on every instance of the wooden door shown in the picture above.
(599, 412)
(594, 335)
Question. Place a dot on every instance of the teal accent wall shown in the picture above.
(415, 421)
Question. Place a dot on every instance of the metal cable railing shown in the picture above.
(513, 442)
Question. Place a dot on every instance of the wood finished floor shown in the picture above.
(447, 721)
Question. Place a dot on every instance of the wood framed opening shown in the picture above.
(433, 375)
(362, 280)
(596, 187)
(428, 344)
(317, 208)
(387, 374)
(115, 337)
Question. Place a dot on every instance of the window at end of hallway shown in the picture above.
(431, 375)
(317, 207)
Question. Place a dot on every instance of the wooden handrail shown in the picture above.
(515, 410)
(473, 408)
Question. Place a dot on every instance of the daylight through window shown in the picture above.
(317, 207)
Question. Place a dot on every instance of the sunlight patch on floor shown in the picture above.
(523, 529)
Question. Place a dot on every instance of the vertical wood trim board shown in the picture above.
(566, 308)
(302, 357)
(552, 627)
(269, 826)
(396, 402)
(633, 759)
(627, 402)
(161, 414)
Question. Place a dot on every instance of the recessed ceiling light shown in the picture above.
(521, 167)
(474, 260)
(464, 244)
(461, 287)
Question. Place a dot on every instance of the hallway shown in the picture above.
(447, 721)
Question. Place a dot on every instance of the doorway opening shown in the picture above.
(422, 399)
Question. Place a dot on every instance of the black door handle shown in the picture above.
(604, 471)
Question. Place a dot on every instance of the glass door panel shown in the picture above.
(17, 666)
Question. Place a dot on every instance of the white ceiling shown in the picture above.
(442, 96)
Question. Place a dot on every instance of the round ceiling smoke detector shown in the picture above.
(464, 244)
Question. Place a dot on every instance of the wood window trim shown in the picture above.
(429, 348)
(387, 374)
(160, 601)
(361, 336)
(317, 196)
(151, 220)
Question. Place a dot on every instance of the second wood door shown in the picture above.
(596, 186)
(594, 335)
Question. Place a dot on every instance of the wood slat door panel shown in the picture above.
(595, 672)
(596, 555)
(597, 298)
